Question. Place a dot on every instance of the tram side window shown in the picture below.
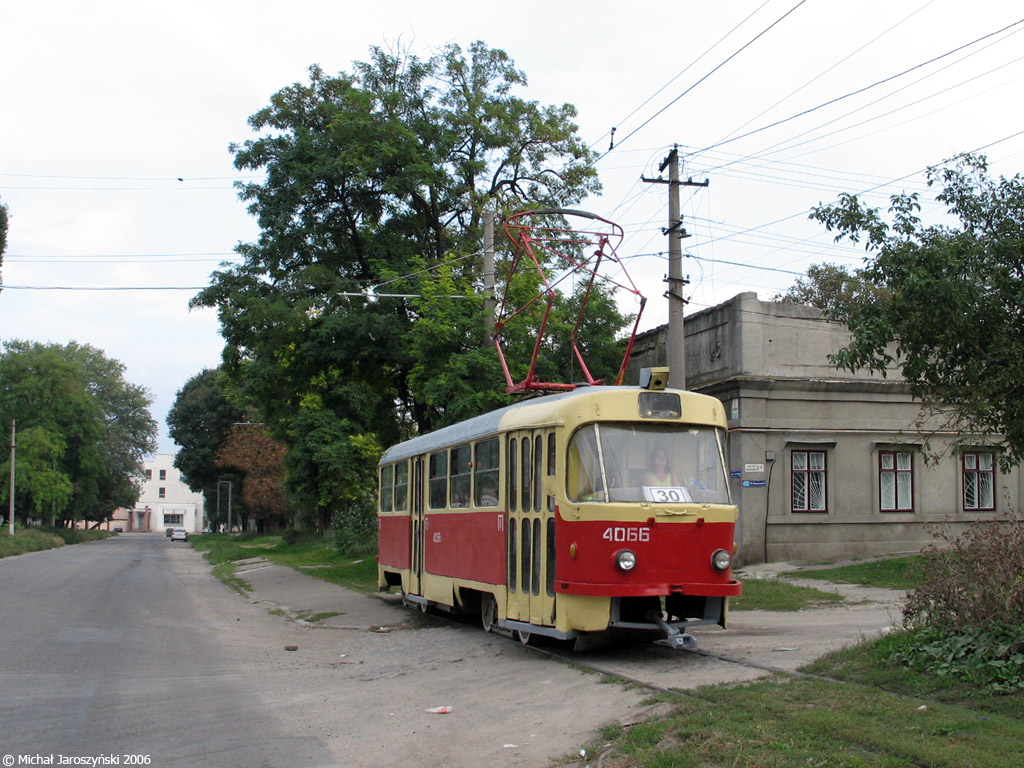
(460, 477)
(387, 475)
(485, 473)
(512, 554)
(551, 467)
(551, 554)
(538, 469)
(438, 480)
(512, 476)
(526, 466)
(401, 486)
(525, 549)
(537, 548)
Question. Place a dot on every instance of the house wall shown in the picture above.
(768, 363)
(164, 498)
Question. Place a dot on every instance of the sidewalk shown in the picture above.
(299, 596)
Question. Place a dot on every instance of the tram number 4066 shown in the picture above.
(624, 534)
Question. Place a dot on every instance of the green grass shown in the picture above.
(898, 573)
(36, 539)
(814, 722)
(779, 595)
(313, 556)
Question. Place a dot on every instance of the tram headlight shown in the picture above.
(721, 560)
(625, 560)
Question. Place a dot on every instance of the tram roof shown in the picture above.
(483, 425)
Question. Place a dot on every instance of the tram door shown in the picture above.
(530, 459)
(415, 585)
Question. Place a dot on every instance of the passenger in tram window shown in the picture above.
(487, 492)
(659, 474)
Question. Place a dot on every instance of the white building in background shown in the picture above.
(165, 500)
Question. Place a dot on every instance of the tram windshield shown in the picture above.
(647, 462)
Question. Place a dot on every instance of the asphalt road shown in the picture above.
(118, 650)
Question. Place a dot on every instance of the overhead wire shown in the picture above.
(729, 58)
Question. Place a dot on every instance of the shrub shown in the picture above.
(355, 528)
(976, 578)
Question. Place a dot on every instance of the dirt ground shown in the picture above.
(363, 681)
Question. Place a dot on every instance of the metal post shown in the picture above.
(229, 505)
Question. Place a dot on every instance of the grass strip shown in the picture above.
(899, 573)
(811, 722)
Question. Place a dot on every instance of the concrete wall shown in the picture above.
(768, 363)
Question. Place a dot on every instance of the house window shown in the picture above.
(163, 474)
(161, 493)
(808, 469)
(149, 474)
(979, 481)
(896, 481)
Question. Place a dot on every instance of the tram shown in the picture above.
(589, 510)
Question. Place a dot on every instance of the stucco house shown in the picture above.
(165, 501)
(825, 463)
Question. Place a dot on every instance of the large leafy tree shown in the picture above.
(372, 192)
(199, 422)
(946, 304)
(259, 460)
(3, 237)
(87, 427)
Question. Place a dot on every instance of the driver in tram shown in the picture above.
(658, 473)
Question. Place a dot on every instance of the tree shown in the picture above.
(43, 489)
(250, 452)
(200, 421)
(947, 301)
(830, 287)
(87, 424)
(3, 238)
(378, 178)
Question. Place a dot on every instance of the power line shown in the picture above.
(861, 90)
(709, 74)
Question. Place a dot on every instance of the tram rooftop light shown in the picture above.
(653, 378)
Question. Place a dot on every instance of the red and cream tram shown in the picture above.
(597, 508)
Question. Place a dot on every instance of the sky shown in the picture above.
(116, 120)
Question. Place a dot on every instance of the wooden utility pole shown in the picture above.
(676, 301)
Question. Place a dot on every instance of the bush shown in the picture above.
(976, 578)
(355, 529)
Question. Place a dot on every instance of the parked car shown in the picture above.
(179, 534)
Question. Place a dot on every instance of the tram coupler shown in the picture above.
(675, 639)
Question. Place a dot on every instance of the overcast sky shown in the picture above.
(115, 121)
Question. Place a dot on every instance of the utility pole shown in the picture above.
(10, 511)
(676, 302)
(488, 279)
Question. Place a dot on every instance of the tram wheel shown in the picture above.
(424, 606)
(526, 638)
(488, 611)
(405, 600)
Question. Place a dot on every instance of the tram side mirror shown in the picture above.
(653, 378)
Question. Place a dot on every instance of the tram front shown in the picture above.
(646, 526)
